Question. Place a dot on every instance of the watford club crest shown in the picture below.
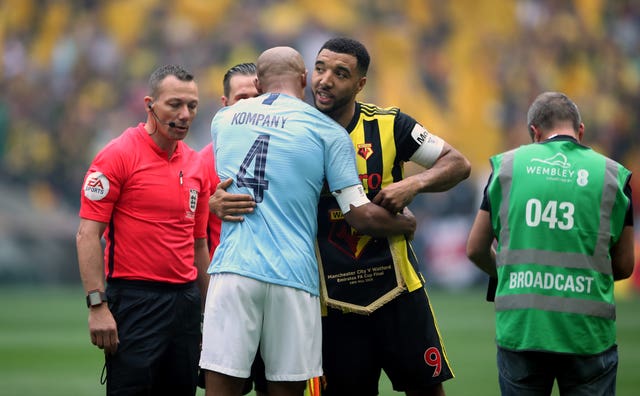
(364, 150)
(347, 239)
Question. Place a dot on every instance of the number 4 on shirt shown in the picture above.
(258, 155)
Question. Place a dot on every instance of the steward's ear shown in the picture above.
(580, 132)
(534, 133)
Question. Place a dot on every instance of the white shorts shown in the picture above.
(242, 313)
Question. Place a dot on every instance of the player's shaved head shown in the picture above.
(278, 61)
(281, 69)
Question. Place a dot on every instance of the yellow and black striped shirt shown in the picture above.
(360, 273)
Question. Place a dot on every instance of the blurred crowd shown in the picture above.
(74, 74)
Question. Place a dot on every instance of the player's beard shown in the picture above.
(334, 106)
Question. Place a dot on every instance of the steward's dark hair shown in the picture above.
(551, 108)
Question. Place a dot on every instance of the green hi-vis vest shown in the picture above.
(556, 209)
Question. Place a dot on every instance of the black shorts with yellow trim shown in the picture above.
(401, 338)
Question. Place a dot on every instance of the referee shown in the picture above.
(146, 194)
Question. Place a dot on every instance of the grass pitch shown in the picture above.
(45, 346)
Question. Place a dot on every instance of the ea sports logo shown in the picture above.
(96, 186)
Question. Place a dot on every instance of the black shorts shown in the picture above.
(401, 338)
(159, 333)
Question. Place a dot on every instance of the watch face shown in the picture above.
(95, 298)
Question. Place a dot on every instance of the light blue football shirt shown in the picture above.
(280, 150)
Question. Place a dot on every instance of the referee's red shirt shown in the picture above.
(154, 207)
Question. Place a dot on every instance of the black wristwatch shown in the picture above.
(95, 298)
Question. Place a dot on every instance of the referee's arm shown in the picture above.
(102, 325)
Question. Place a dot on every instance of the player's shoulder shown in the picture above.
(316, 116)
(373, 110)
(401, 122)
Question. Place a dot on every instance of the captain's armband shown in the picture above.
(352, 195)
(429, 149)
